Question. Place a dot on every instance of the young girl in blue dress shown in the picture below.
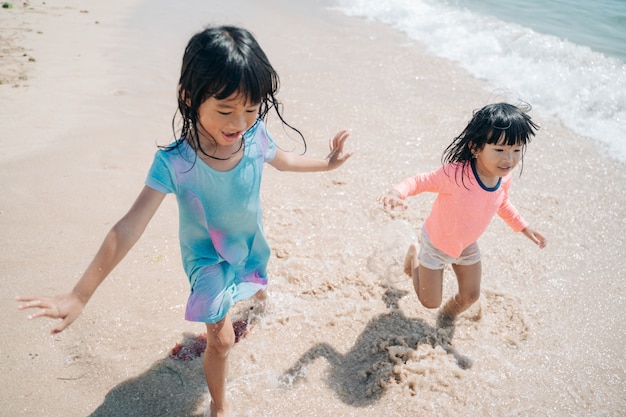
(227, 87)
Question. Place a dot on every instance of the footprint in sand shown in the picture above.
(503, 316)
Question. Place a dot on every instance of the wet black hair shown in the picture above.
(498, 123)
(218, 62)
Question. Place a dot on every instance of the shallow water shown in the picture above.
(600, 25)
(527, 50)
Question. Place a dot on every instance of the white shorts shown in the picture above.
(433, 258)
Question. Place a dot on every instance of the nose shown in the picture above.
(238, 121)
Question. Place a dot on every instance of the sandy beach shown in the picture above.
(87, 93)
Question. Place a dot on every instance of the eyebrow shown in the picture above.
(503, 145)
(230, 105)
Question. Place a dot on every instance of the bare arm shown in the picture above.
(288, 161)
(115, 246)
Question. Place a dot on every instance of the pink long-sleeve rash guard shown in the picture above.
(462, 210)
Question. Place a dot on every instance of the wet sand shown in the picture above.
(89, 90)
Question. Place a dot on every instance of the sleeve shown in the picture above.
(258, 137)
(507, 210)
(268, 146)
(430, 182)
(160, 175)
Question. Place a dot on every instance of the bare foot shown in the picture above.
(261, 301)
(445, 330)
(216, 411)
(443, 320)
(410, 261)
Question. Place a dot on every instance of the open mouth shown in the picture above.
(231, 137)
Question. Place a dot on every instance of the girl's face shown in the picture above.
(494, 161)
(225, 121)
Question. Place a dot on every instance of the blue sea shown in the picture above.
(566, 57)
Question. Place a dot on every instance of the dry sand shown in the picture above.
(88, 91)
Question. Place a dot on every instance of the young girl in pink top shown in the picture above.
(472, 186)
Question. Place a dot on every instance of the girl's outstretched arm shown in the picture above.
(535, 237)
(288, 161)
(115, 246)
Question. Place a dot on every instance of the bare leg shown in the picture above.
(410, 261)
(261, 296)
(220, 339)
(428, 283)
(261, 299)
(468, 277)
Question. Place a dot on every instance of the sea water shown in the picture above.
(565, 57)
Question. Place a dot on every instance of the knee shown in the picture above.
(469, 298)
(220, 346)
(429, 302)
(220, 343)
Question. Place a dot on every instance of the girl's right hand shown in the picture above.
(66, 307)
(392, 200)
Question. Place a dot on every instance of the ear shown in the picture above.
(473, 148)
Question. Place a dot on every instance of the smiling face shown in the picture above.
(497, 160)
(222, 123)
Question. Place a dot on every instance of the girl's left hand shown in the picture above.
(337, 156)
(535, 237)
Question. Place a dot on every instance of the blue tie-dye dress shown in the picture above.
(223, 247)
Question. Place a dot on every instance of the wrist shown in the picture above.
(395, 193)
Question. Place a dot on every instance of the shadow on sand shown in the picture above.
(359, 376)
(178, 388)
(169, 388)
